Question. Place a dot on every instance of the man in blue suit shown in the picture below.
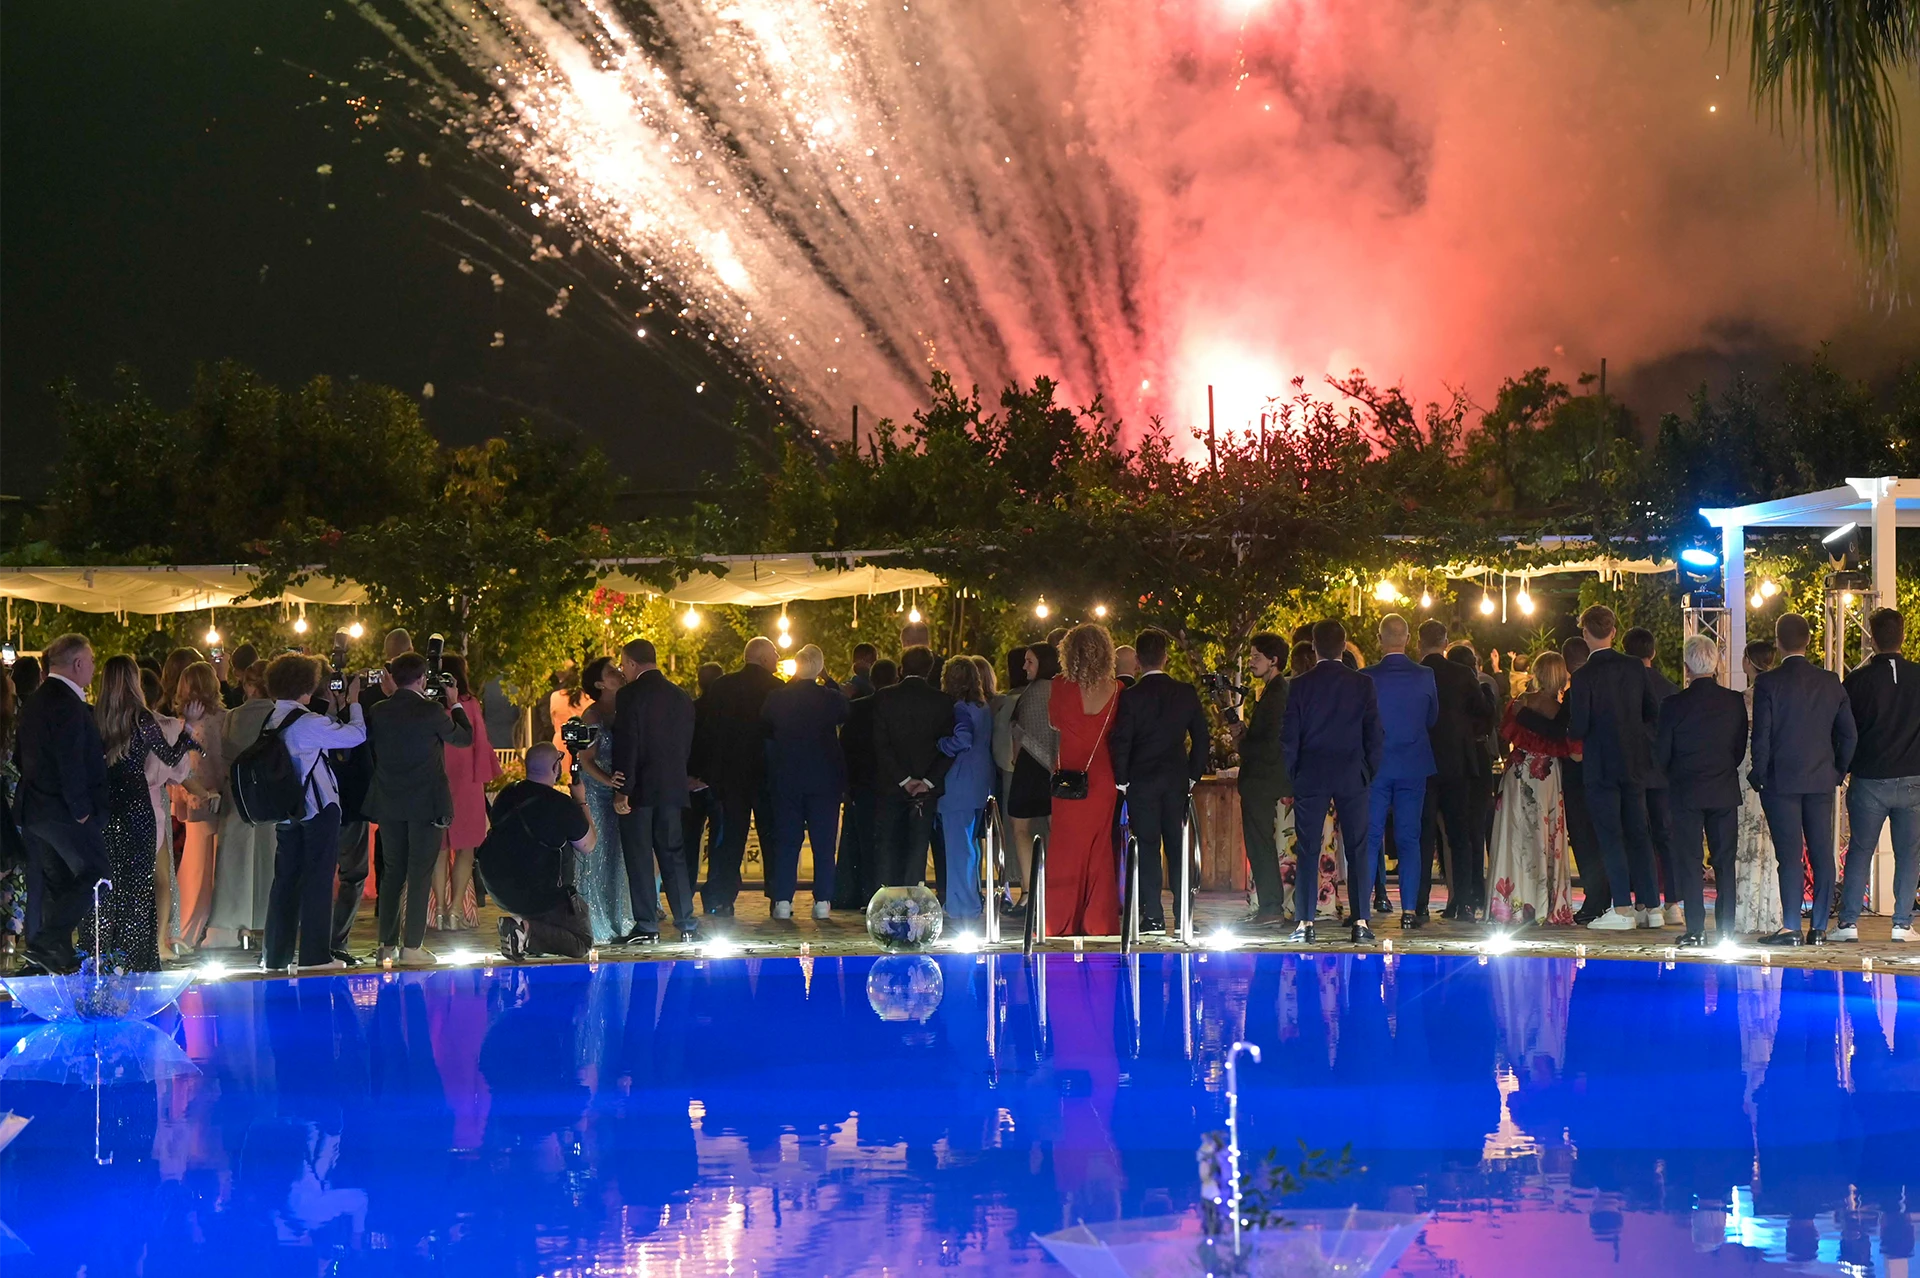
(1332, 738)
(1803, 742)
(1409, 702)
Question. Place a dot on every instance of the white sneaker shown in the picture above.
(1614, 920)
(1901, 933)
(1849, 933)
(783, 909)
(822, 909)
(1648, 918)
(1676, 915)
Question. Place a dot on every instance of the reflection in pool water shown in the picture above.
(797, 1116)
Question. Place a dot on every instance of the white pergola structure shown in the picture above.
(1883, 504)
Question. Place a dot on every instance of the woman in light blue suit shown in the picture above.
(968, 785)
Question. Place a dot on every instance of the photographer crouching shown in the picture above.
(527, 859)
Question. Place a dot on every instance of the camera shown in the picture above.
(578, 736)
(337, 660)
(1226, 694)
(439, 682)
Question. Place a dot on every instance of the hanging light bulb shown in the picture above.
(784, 639)
(1385, 591)
(1100, 611)
(1757, 599)
(690, 618)
(783, 623)
(1769, 588)
(1426, 599)
(213, 635)
(1041, 610)
(913, 616)
(1486, 604)
(1525, 601)
(299, 625)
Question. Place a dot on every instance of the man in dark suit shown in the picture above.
(1409, 700)
(1698, 747)
(1597, 896)
(1462, 774)
(1263, 782)
(908, 721)
(732, 750)
(652, 740)
(1159, 748)
(1332, 738)
(409, 799)
(809, 775)
(1639, 645)
(1884, 695)
(703, 806)
(353, 770)
(62, 804)
(857, 871)
(1803, 743)
(1609, 707)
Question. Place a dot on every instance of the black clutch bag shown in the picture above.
(1069, 785)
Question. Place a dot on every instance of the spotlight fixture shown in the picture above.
(1838, 535)
(1699, 558)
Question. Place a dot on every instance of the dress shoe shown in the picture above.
(1362, 934)
(1845, 932)
(1381, 905)
(689, 931)
(1782, 937)
(1153, 925)
(1421, 918)
(1691, 941)
(1409, 921)
(1816, 936)
(1302, 935)
(642, 938)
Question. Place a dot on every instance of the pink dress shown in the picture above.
(469, 768)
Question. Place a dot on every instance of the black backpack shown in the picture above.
(266, 785)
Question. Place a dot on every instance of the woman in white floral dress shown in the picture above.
(1756, 885)
(1529, 869)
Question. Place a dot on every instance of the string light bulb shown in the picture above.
(356, 630)
(299, 625)
(1041, 610)
(1100, 611)
(784, 639)
(1486, 604)
(1757, 599)
(1385, 591)
(1525, 601)
(1426, 599)
(783, 623)
(213, 635)
(913, 616)
(1769, 588)
(690, 618)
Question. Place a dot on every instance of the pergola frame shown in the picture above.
(1884, 504)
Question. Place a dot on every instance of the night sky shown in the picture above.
(161, 206)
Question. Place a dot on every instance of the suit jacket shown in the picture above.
(63, 775)
(1263, 764)
(1610, 708)
(1699, 744)
(803, 721)
(1803, 730)
(1409, 701)
(408, 734)
(1331, 732)
(1885, 697)
(1662, 689)
(1160, 735)
(1464, 719)
(856, 744)
(908, 721)
(652, 740)
(732, 746)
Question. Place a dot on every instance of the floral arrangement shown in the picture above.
(1261, 1190)
(906, 918)
(105, 992)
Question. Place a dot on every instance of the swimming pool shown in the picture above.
(842, 1116)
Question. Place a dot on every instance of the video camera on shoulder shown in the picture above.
(439, 683)
(578, 736)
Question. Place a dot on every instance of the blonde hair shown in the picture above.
(198, 684)
(1086, 655)
(122, 705)
(960, 679)
(177, 661)
(989, 686)
(1549, 671)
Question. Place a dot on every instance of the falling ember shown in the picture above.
(1010, 188)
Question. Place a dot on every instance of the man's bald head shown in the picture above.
(543, 763)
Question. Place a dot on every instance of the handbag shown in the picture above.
(1068, 784)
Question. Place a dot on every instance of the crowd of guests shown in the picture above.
(125, 842)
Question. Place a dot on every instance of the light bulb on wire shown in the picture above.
(784, 639)
(356, 630)
(1486, 604)
(690, 618)
(1757, 599)
(913, 615)
(1426, 599)
(783, 623)
(1100, 611)
(1041, 610)
(213, 635)
(299, 625)
(1525, 601)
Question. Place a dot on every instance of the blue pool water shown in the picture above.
(765, 1116)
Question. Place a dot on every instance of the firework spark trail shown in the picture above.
(1142, 197)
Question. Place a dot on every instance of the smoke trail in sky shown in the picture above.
(1144, 197)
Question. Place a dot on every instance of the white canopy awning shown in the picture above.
(761, 581)
(162, 589)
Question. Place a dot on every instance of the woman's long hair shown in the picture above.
(198, 685)
(1549, 671)
(1086, 655)
(121, 707)
(590, 678)
(1048, 658)
(456, 665)
(177, 662)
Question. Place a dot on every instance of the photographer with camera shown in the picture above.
(1263, 783)
(410, 799)
(528, 858)
(1160, 745)
(354, 768)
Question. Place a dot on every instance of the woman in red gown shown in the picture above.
(1083, 896)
